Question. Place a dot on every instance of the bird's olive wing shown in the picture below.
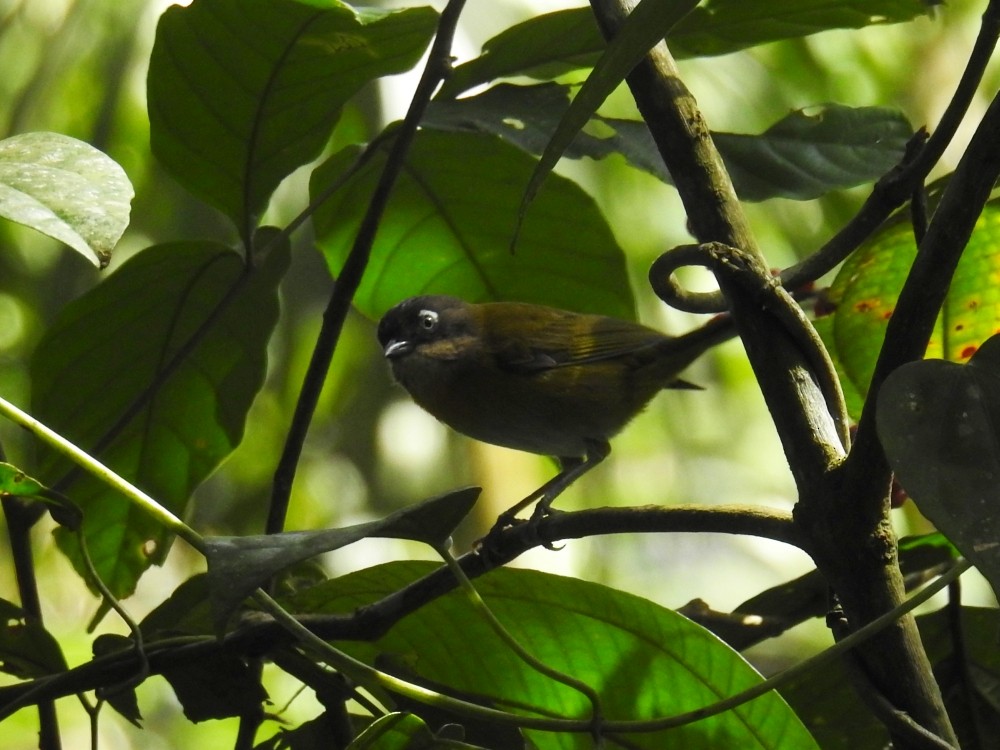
(536, 343)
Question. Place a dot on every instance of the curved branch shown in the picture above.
(888, 194)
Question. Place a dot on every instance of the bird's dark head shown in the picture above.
(434, 325)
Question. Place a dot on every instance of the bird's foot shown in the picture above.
(490, 545)
(542, 511)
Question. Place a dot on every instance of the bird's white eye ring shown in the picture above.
(428, 319)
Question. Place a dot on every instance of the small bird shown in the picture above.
(535, 378)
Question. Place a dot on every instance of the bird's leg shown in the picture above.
(571, 469)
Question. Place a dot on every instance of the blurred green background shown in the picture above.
(78, 67)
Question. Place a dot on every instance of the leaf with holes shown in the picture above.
(802, 156)
(867, 286)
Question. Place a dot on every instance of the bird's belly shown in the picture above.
(534, 415)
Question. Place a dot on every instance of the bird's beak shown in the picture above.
(396, 348)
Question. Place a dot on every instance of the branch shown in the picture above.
(259, 635)
(859, 560)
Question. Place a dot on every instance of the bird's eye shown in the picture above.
(428, 320)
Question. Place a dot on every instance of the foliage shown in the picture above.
(190, 353)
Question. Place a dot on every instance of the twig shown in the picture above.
(438, 66)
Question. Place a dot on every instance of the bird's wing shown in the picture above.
(531, 344)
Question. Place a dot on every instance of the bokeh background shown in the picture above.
(78, 67)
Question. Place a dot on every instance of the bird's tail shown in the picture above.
(682, 350)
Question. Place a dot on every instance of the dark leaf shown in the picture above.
(217, 687)
(803, 156)
(122, 698)
(102, 376)
(27, 649)
(238, 565)
(938, 422)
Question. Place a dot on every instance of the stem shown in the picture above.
(477, 603)
(91, 465)
(437, 68)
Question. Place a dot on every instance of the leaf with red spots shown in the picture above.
(939, 423)
(865, 291)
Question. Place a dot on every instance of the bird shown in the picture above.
(535, 378)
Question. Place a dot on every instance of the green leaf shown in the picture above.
(717, 27)
(449, 223)
(939, 423)
(867, 286)
(811, 152)
(645, 661)
(105, 376)
(243, 92)
(15, 483)
(67, 190)
(804, 155)
(548, 45)
(238, 565)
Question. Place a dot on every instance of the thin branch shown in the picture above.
(437, 68)
(21, 517)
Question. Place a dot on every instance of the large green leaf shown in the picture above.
(717, 27)
(644, 661)
(551, 44)
(66, 189)
(803, 156)
(450, 221)
(242, 92)
(867, 286)
(103, 377)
